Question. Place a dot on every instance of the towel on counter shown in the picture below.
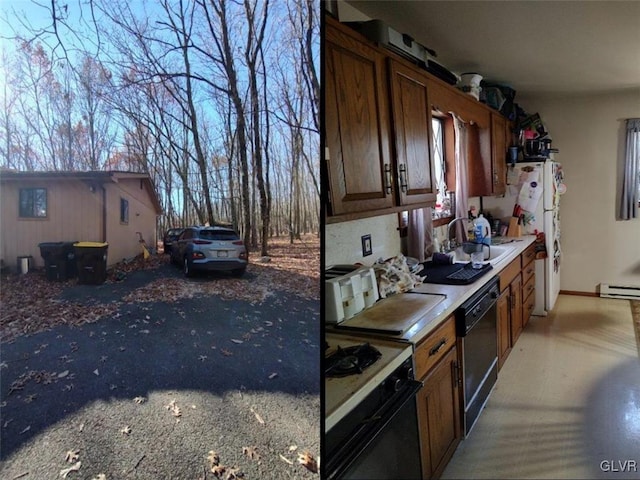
(393, 276)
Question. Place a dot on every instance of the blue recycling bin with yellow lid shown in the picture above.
(91, 262)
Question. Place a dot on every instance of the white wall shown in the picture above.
(589, 132)
(343, 242)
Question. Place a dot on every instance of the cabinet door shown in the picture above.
(515, 308)
(439, 415)
(479, 168)
(498, 153)
(411, 113)
(504, 328)
(357, 125)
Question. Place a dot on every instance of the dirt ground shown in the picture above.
(151, 375)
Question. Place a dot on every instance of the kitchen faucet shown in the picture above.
(451, 244)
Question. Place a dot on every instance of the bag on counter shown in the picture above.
(394, 276)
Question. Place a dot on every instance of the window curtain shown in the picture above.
(461, 195)
(631, 179)
(419, 234)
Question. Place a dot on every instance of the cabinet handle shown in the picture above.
(438, 347)
(403, 177)
(387, 178)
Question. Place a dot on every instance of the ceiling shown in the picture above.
(534, 46)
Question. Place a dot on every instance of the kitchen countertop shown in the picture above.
(456, 295)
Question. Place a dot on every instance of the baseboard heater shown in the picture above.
(619, 291)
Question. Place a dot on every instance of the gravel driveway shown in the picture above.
(150, 390)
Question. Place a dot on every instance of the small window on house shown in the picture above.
(124, 210)
(33, 203)
(444, 199)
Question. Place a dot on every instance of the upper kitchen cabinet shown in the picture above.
(500, 136)
(357, 124)
(487, 137)
(411, 114)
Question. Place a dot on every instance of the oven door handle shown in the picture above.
(369, 429)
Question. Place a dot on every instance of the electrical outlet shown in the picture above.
(366, 245)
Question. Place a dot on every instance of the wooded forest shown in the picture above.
(218, 100)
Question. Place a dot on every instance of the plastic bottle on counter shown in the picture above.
(482, 230)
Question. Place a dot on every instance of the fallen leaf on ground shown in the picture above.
(100, 476)
(126, 430)
(307, 460)
(72, 456)
(251, 452)
(139, 400)
(96, 372)
(218, 470)
(293, 448)
(272, 376)
(213, 457)
(225, 352)
(73, 468)
(63, 374)
(26, 429)
(234, 340)
(268, 323)
(286, 459)
(174, 409)
(234, 473)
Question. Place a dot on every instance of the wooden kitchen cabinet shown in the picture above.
(528, 283)
(411, 115)
(504, 327)
(515, 308)
(499, 144)
(357, 124)
(438, 401)
(516, 301)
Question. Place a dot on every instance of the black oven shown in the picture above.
(379, 438)
(476, 324)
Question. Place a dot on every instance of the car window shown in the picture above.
(174, 231)
(218, 235)
(187, 234)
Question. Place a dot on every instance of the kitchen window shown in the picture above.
(444, 170)
(124, 211)
(33, 203)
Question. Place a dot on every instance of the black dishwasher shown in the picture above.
(476, 324)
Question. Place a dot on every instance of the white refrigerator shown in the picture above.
(541, 215)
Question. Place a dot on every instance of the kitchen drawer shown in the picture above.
(509, 273)
(528, 271)
(529, 255)
(435, 346)
(529, 286)
(527, 307)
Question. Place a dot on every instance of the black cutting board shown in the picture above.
(437, 273)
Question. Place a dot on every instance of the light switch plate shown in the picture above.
(366, 245)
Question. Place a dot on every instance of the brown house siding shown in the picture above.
(76, 212)
(73, 214)
(123, 240)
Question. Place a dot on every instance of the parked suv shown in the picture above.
(209, 249)
(170, 237)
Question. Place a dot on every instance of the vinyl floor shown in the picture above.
(567, 400)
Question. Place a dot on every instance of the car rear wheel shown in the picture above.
(188, 271)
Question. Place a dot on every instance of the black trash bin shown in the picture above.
(59, 260)
(91, 261)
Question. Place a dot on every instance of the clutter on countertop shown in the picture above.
(394, 276)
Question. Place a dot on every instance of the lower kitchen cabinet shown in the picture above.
(516, 301)
(439, 408)
(504, 327)
(515, 308)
